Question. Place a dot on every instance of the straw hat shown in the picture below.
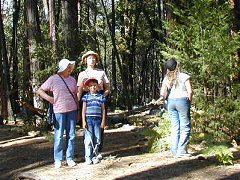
(90, 53)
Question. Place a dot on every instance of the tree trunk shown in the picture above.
(114, 74)
(34, 38)
(70, 17)
(14, 59)
(236, 29)
(116, 53)
(5, 107)
(52, 27)
(160, 20)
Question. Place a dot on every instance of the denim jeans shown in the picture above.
(92, 137)
(64, 121)
(179, 114)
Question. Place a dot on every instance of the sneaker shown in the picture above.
(57, 164)
(183, 155)
(99, 156)
(71, 163)
(95, 160)
(88, 162)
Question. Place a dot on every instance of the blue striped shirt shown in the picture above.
(94, 104)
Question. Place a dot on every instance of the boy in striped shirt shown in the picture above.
(93, 119)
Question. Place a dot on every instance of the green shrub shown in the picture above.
(222, 153)
(158, 135)
(220, 118)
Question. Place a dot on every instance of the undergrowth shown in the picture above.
(158, 136)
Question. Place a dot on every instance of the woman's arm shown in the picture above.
(189, 89)
(80, 91)
(80, 85)
(106, 87)
(44, 95)
(164, 89)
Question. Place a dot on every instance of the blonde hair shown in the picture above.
(172, 76)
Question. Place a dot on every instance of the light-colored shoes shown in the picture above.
(95, 160)
(88, 161)
(99, 156)
(57, 164)
(71, 163)
(184, 155)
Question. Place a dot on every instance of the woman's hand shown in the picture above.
(50, 99)
(84, 124)
(103, 125)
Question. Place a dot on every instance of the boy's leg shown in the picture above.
(97, 135)
(96, 140)
(88, 140)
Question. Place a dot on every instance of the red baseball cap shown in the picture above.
(86, 83)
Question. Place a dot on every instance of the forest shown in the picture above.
(133, 38)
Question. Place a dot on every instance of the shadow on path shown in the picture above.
(38, 153)
(187, 169)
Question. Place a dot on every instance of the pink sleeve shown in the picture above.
(46, 86)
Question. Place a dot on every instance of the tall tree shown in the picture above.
(14, 58)
(114, 74)
(70, 29)
(236, 29)
(34, 39)
(52, 27)
(112, 28)
(5, 106)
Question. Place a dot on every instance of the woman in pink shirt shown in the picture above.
(64, 89)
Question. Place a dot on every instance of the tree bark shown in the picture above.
(5, 106)
(236, 29)
(14, 59)
(70, 17)
(115, 50)
(52, 27)
(114, 74)
(34, 38)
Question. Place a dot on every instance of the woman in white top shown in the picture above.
(91, 58)
(176, 87)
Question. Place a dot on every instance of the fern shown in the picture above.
(158, 136)
(222, 153)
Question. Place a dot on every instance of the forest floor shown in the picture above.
(125, 157)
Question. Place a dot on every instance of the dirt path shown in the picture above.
(125, 157)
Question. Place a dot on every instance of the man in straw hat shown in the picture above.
(91, 58)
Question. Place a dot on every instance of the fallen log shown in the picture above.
(36, 111)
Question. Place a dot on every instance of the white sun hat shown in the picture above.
(63, 64)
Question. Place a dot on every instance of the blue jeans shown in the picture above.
(64, 121)
(92, 137)
(179, 114)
